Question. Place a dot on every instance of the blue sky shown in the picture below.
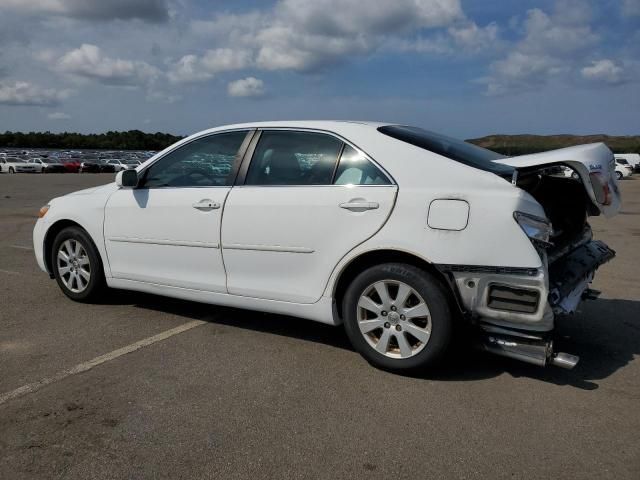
(467, 68)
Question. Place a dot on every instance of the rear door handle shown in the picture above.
(206, 205)
(359, 205)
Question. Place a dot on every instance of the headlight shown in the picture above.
(539, 230)
(43, 211)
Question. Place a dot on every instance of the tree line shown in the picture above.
(130, 140)
(510, 145)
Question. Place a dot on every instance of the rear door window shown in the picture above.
(293, 158)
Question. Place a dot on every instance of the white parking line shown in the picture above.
(83, 367)
(21, 247)
(9, 272)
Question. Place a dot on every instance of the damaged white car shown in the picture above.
(393, 231)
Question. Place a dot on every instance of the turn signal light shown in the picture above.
(43, 211)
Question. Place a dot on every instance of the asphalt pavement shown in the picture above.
(141, 386)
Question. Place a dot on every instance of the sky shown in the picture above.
(466, 68)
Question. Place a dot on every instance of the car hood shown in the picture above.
(594, 164)
(89, 191)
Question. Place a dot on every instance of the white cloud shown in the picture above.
(551, 45)
(463, 37)
(58, 116)
(194, 68)
(148, 10)
(246, 87)
(307, 35)
(604, 71)
(631, 8)
(157, 96)
(25, 93)
(88, 61)
(471, 37)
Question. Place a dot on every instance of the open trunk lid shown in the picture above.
(594, 163)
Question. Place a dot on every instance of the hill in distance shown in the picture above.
(512, 145)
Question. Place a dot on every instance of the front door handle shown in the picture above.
(206, 205)
(359, 205)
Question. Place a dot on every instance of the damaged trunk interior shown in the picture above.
(573, 255)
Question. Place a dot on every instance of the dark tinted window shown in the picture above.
(205, 162)
(356, 169)
(452, 148)
(293, 158)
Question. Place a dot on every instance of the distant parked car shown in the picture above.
(632, 159)
(623, 169)
(71, 165)
(96, 166)
(17, 165)
(123, 164)
(90, 166)
(106, 167)
(48, 165)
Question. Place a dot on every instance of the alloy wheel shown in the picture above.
(394, 319)
(73, 265)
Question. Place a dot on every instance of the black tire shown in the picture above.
(96, 284)
(619, 175)
(434, 295)
(11, 170)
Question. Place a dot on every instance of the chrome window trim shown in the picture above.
(392, 181)
(142, 171)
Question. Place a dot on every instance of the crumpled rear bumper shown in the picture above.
(527, 299)
(570, 275)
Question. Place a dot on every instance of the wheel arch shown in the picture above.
(375, 257)
(50, 236)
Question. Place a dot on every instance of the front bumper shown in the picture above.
(39, 232)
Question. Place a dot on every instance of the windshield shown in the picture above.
(449, 147)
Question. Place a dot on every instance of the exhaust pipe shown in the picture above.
(538, 353)
(564, 360)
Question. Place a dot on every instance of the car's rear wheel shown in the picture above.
(77, 266)
(397, 316)
(12, 170)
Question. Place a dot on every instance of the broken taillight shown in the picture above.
(601, 188)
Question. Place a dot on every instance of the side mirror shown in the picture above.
(127, 179)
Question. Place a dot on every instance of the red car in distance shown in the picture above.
(71, 165)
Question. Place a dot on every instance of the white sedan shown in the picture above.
(623, 169)
(396, 232)
(123, 164)
(17, 165)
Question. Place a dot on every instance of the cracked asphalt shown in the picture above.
(251, 395)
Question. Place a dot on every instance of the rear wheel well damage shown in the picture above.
(377, 257)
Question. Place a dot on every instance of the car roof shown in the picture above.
(331, 125)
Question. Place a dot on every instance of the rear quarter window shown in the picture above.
(454, 149)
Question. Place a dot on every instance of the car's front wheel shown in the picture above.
(619, 175)
(397, 316)
(76, 265)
